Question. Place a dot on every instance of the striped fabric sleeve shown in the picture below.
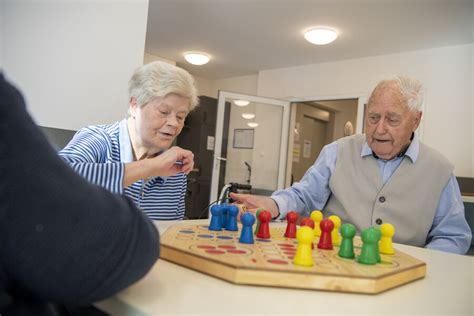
(88, 154)
(181, 205)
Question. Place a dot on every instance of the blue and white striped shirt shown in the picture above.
(99, 154)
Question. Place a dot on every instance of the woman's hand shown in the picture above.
(169, 163)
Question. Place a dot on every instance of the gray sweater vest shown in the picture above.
(408, 200)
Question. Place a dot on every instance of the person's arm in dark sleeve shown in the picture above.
(63, 239)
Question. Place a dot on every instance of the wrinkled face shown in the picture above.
(158, 122)
(389, 122)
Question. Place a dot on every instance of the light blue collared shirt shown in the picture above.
(449, 232)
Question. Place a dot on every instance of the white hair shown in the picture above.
(159, 79)
(411, 90)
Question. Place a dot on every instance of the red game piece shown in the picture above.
(310, 223)
(264, 229)
(325, 241)
(291, 218)
(307, 222)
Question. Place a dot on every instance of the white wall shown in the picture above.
(204, 86)
(446, 72)
(73, 59)
(242, 84)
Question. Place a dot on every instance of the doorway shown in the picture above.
(254, 148)
(315, 124)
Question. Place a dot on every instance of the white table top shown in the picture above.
(170, 289)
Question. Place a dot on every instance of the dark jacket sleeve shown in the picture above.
(63, 239)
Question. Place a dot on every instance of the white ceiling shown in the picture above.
(245, 36)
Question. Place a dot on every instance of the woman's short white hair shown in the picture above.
(411, 90)
(159, 79)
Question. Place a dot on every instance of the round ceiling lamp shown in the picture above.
(320, 35)
(197, 58)
(248, 116)
(241, 102)
(252, 124)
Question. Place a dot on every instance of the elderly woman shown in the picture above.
(133, 156)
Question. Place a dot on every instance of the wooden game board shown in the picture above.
(269, 262)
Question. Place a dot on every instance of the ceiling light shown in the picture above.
(241, 102)
(248, 116)
(252, 124)
(197, 58)
(320, 35)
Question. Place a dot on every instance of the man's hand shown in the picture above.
(253, 202)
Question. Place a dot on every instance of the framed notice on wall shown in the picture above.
(243, 138)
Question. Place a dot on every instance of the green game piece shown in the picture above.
(379, 235)
(258, 221)
(368, 254)
(348, 232)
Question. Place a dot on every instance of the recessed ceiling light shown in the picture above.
(241, 102)
(320, 35)
(252, 124)
(197, 58)
(248, 116)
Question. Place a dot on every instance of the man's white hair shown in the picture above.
(411, 90)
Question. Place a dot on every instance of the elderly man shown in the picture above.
(386, 176)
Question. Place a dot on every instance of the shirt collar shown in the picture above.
(126, 152)
(412, 151)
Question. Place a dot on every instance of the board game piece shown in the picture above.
(336, 238)
(269, 262)
(387, 231)
(325, 241)
(291, 219)
(379, 235)
(304, 257)
(317, 217)
(308, 222)
(232, 211)
(368, 254)
(257, 227)
(246, 235)
(264, 229)
(216, 220)
(348, 231)
(224, 209)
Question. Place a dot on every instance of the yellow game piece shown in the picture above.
(387, 231)
(304, 256)
(317, 217)
(336, 238)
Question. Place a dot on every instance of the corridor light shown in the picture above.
(241, 102)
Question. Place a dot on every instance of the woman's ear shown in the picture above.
(133, 105)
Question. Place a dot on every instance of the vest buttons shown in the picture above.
(378, 221)
(382, 199)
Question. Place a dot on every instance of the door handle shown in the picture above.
(221, 158)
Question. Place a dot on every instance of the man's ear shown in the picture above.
(418, 116)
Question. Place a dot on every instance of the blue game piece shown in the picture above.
(216, 218)
(232, 210)
(224, 209)
(246, 236)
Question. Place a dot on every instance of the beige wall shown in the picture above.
(148, 58)
(446, 73)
